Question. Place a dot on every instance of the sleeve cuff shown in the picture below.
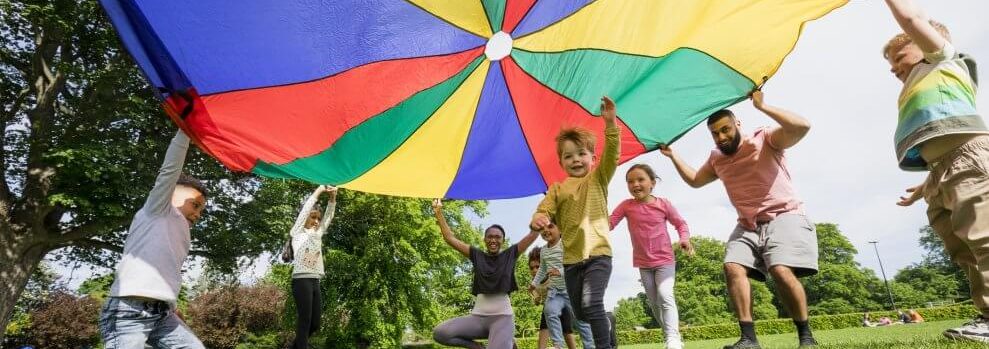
(946, 52)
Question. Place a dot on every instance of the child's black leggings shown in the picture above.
(308, 308)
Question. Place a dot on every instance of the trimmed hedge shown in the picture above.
(763, 327)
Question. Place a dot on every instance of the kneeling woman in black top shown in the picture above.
(494, 279)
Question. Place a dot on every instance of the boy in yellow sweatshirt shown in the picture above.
(579, 206)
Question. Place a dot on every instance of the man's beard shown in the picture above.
(732, 147)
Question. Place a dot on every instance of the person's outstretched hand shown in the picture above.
(687, 248)
(608, 112)
(666, 150)
(915, 193)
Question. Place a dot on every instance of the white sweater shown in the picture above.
(307, 243)
(158, 238)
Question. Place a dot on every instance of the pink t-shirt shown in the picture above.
(651, 244)
(756, 178)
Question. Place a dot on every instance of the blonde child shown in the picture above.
(579, 206)
(939, 130)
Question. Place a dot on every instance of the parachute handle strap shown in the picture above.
(189, 103)
(764, 80)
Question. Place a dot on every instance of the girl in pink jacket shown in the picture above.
(652, 250)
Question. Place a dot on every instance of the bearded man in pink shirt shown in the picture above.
(773, 236)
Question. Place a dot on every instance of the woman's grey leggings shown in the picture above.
(462, 331)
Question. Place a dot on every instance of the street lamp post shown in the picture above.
(883, 271)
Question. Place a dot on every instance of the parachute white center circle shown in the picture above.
(499, 46)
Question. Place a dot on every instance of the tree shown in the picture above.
(935, 279)
(388, 269)
(833, 247)
(909, 297)
(97, 287)
(652, 321)
(83, 136)
(211, 278)
(630, 314)
(931, 282)
(841, 284)
(38, 288)
(937, 258)
(527, 313)
(700, 289)
(839, 289)
(934, 253)
(36, 293)
(280, 276)
(701, 292)
(841, 280)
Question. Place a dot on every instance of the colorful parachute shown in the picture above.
(446, 98)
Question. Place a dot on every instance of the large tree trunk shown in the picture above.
(19, 257)
(25, 237)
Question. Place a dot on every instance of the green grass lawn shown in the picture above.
(913, 336)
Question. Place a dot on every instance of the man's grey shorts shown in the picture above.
(788, 240)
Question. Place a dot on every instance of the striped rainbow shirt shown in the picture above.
(938, 99)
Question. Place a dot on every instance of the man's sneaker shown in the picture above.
(674, 345)
(807, 343)
(744, 343)
(975, 330)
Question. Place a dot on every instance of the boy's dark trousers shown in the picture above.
(586, 282)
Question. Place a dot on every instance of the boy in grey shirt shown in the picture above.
(141, 308)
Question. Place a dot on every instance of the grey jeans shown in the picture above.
(659, 282)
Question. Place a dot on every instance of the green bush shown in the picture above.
(948, 313)
(647, 336)
(18, 325)
(528, 343)
(270, 340)
(15, 335)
